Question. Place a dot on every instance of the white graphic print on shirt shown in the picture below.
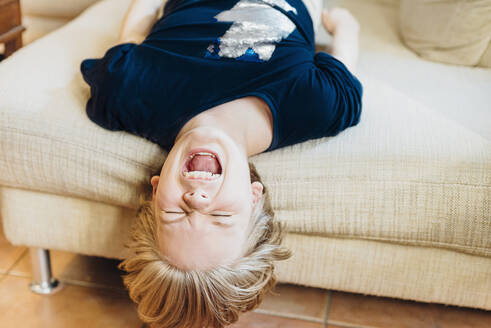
(256, 29)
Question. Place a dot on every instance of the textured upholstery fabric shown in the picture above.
(65, 223)
(398, 206)
(486, 57)
(395, 178)
(378, 268)
(405, 174)
(356, 265)
(40, 17)
(381, 43)
(55, 130)
(449, 31)
(456, 91)
(38, 26)
(55, 8)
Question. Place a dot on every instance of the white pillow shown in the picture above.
(449, 31)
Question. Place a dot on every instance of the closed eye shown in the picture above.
(227, 215)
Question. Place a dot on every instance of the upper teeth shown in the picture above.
(202, 153)
(201, 174)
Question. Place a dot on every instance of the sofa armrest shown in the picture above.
(66, 9)
(39, 26)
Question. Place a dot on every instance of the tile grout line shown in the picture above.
(328, 308)
(2, 276)
(289, 316)
(348, 325)
(339, 324)
(16, 262)
(79, 283)
(18, 275)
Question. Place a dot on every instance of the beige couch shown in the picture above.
(397, 206)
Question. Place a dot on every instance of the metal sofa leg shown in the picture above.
(42, 281)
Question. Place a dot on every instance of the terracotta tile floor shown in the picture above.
(94, 296)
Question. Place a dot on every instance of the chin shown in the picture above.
(204, 133)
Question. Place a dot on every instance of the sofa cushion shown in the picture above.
(450, 31)
(55, 8)
(39, 26)
(52, 117)
(486, 57)
(456, 92)
(424, 274)
(404, 175)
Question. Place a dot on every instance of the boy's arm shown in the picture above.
(139, 19)
(344, 30)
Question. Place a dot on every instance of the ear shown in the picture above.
(155, 182)
(257, 191)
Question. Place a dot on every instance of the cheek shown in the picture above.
(245, 224)
(167, 193)
(242, 241)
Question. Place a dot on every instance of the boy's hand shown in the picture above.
(337, 18)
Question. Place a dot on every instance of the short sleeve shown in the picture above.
(321, 99)
(103, 75)
(341, 93)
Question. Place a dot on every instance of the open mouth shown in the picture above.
(202, 164)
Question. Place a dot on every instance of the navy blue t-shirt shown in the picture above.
(208, 52)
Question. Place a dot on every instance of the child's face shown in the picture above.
(198, 236)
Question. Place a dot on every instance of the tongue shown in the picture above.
(204, 163)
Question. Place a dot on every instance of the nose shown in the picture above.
(197, 199)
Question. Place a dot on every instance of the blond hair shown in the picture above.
(173, 298)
